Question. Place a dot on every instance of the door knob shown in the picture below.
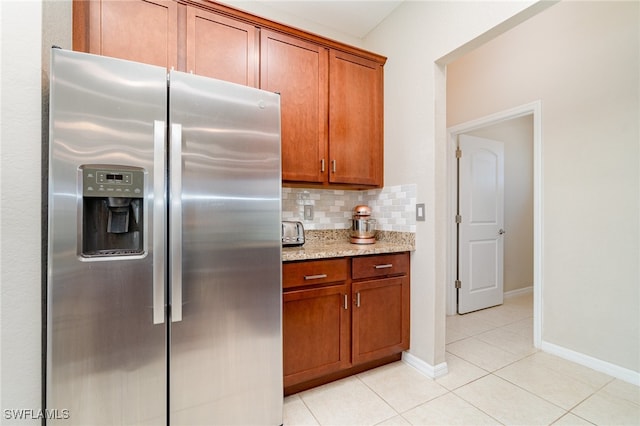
(501, 231)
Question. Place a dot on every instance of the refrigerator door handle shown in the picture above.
(175, 226)
(159, 222)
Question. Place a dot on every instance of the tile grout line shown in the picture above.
(379, 396)
(310, 411)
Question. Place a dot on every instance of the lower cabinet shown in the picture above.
(380, 318)
(315, 332)
(342, 316)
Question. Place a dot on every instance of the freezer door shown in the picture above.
(106, 344)
(226, 346)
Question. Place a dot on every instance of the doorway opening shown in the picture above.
(533, 112)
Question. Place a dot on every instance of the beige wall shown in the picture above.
(581, 59)
(517, 136)
(20, 217)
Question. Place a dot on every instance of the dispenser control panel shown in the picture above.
(107, 182)
(113, 213)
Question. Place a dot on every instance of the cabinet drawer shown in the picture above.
(296, 274)
(380, 265)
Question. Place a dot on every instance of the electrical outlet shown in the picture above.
(420, 213)
(308, 212)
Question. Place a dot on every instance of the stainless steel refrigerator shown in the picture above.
(164, 247)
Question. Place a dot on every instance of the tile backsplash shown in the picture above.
(393, 207)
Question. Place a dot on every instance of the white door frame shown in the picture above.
(535, 109)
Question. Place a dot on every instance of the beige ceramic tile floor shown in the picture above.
(495, 377)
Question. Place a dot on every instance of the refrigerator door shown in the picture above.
(106, 359)
(226, 346)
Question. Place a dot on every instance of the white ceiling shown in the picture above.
(352, 17)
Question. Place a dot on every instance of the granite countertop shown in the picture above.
(335, 243)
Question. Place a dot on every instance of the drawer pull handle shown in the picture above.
(357, 299)
(315, 277)
(385, 266)
(346, 302)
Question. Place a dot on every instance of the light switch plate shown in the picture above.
(308, 212)
(420, 213)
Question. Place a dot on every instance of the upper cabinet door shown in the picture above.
(355, 117)
(138, 30)
(299, 72)
(221, 48)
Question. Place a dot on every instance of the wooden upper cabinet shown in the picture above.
(355, 117)
(222, 48)
(298, 70)
(138, 30)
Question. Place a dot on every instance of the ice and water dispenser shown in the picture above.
(112, 210)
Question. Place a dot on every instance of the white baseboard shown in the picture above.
(613, 370)
(427, 370)
(518, 292)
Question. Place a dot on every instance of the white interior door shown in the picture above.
(481, 223)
